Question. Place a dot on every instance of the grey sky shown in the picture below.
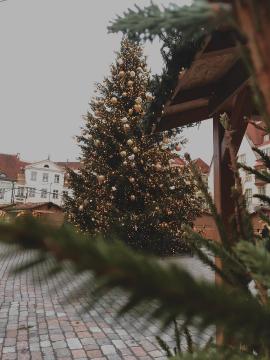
(52, 52)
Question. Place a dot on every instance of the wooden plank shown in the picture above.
(195, 93)
(187, 105)
(181, 119)
(234, 79)
(243, 108)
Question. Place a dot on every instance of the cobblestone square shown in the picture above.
(41, 318)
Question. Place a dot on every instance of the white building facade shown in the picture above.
(254, 137)
(43, 181)
(6, 189)
(38, 182)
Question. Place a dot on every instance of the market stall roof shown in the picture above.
(209, 85)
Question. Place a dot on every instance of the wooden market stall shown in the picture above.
(216, 82)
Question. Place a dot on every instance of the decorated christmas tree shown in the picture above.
(128, 182)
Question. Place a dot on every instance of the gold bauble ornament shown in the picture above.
(97, 142)
(135, 149)
(124, 120)
(132, 197)
(149, 96)
(125, 163)
(137, 107)
(166, 141)
(114, 100)
(121, 73)
(113, 188)
(130, 111)
(131, 179)
(81, 207)
(95, 126)
(90, 136)
(123, 153)
(177, 147)
(158, 166)
(130, 142)
(131, 157)
(132, 73)
(126, 127)
(124, 94)
(101, 179)
(130, 83)
(138, 100)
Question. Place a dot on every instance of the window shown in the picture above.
(2, 193)
(261, 190)
(248, 196)
(266, 151)
(56, 178)
(242, 158)
(45, 177)
(43, 193)
(31, 192)
(55, 194)
(266, 137)
(20, 192)
(33, 175)
(248, 177)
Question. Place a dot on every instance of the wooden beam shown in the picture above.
(194, 93)
(187, 105)
(227, 87)
(243, 108)
(181, 119)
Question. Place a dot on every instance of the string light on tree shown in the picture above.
(125, 178)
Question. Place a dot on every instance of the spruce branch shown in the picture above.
(152, 21)
(175, 292)
(257, 260)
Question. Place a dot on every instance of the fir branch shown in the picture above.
(146, 279)
(233, 271)
(152, 21)
(257, 260)
(262, 175)
(265, 158)
(209, 201)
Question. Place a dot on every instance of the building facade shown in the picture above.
(42, 181)
(255, 136)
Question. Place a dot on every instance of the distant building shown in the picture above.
(255, 136)
(42, 181)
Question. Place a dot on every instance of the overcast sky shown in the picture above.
(52, 53)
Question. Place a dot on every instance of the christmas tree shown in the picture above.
(127, 180)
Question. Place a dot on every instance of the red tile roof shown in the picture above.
(177, 161)
(11, 165)
(73, 165)
(255, 134)
(202, 166)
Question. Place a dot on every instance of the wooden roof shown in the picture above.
(216, 74)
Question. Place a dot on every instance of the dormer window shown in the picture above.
(45, 177)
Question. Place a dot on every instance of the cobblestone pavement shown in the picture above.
(39, 319)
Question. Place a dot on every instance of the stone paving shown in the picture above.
(40, 319)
